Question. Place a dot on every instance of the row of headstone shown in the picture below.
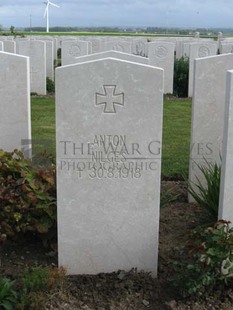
(41, 54)
(160, 53)
(109, 135)
(109, 128)
(212, 125)
(208, 108)
(78, 162)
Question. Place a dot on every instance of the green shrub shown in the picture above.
(59, 53)
(8, 296)
(207, 260)
(36, 279)
(27, 197)
(58, 60)
(206, 192)
(41, 278)
(50, 85)
(36, 283)
(181, 76)
(33, 94)
(58, 63)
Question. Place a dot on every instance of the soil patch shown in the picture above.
(133, 290)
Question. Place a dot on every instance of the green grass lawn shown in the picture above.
(176, 137)
(43, 124)
(176, 132)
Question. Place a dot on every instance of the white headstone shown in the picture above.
(15, 113)
(109, 131)
(120, 46)
(72, 49)
(182, 48)
(226, 48)
(199, 50)
(220, 38)
(95, 45)
(161, 54)
(185, 49)
(112, 54)
(36, 50)
(226, 192)
(140, 47)
(1, 46)
(9, 47)
(208, 111)
(49, 60)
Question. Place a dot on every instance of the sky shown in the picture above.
(132, 13)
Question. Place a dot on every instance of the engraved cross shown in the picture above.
(109, 98)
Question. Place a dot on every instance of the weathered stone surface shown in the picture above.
(199, 50)
(36, 50)
(208, 108)
(109, 131)
(113, 54)
(49, 59)
(140, 47)
(9, 47)
(226, 193)
(71, 49)
(161, 54)
(120, 46)
(15, 114)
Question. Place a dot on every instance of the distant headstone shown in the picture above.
(109, 131)
(199, 50)
(9, 47)
(120, 46)
(49, 60)
(72, 49)
(140, 48)
(185, 50)
(52, 39)
(95, 45)
(208, 110)
(36, 50)
(220, 38)
(15, 114)
(226, 193)
(161, 54)
(220, 35)
(226, 48)
(1, 46)
(113, 54)
(182, 45)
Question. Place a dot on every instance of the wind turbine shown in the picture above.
(46, 13)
